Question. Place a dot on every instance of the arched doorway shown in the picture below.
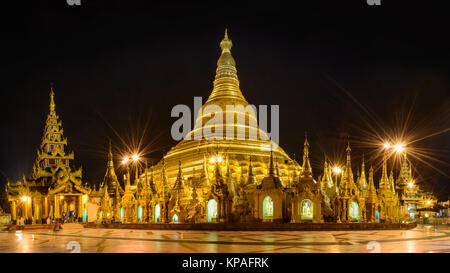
(307, 209)
(354, 211)
(139, 213)
(211, 213)
(175, 218)
(157, 213)
(121, 213)
(377, 216)
(267, 208)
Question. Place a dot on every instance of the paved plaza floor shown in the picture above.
(74, 238)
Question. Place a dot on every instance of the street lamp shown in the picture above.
(399, 147)
(387, 145)
(135, 157)
(125, 160)
(337, 170)
(215, 159)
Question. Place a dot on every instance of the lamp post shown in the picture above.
(336, 170)
(134, 158)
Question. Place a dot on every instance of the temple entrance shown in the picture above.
(211, 214)
(378, 216)
(267, 208)
(69, 208)
(157, 213)
(307, 209)
(121, 214)
(354, 211)
(175, 218)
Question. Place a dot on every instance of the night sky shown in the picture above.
(336, 70)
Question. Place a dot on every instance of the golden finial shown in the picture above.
(226, 43)
(52, 100)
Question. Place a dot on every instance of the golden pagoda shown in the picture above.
(192, 152)
(54, 190)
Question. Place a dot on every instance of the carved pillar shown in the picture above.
(13, 211)
(80, 208)
(45, 208)
(57, 209)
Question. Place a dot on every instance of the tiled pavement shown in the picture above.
(76, 238)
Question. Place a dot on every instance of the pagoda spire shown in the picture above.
(204, 177)
(324, 180)
(362, 179)
(384, 177)
(391, 181)
(306, 167)
(179, 182)
(372, 192)
(127, 178)
(251, 175)
(347, 177)
(52, 98)
(110, 178)
(271, 167)
(226, 83)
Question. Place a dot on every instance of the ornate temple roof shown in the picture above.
(51, 171)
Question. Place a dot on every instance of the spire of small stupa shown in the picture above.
(347, 177)
(372, 192)
(251, 174)
(384, 176)
(362, 179)
(179, 182)
(306, 167)
(271, 167)
(52, 98)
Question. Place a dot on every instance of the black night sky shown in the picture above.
(335, 69)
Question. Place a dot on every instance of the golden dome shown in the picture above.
(230, 139)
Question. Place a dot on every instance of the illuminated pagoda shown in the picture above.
(223, 171)
(222, 163)
(54, 190)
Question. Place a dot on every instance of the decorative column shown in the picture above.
(45, 208)
(80, 208)
(57, 209)
(13, 211)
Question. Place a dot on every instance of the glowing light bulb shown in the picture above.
(337, 170)
(135, 157)
(125, 160)
(410, 184)
(387, 145)
(24, 198)
(428, 202)
(212, 160)
(219, 159)
(399, 147)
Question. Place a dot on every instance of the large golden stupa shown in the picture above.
(197, 155)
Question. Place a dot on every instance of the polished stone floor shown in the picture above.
(74, 238)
